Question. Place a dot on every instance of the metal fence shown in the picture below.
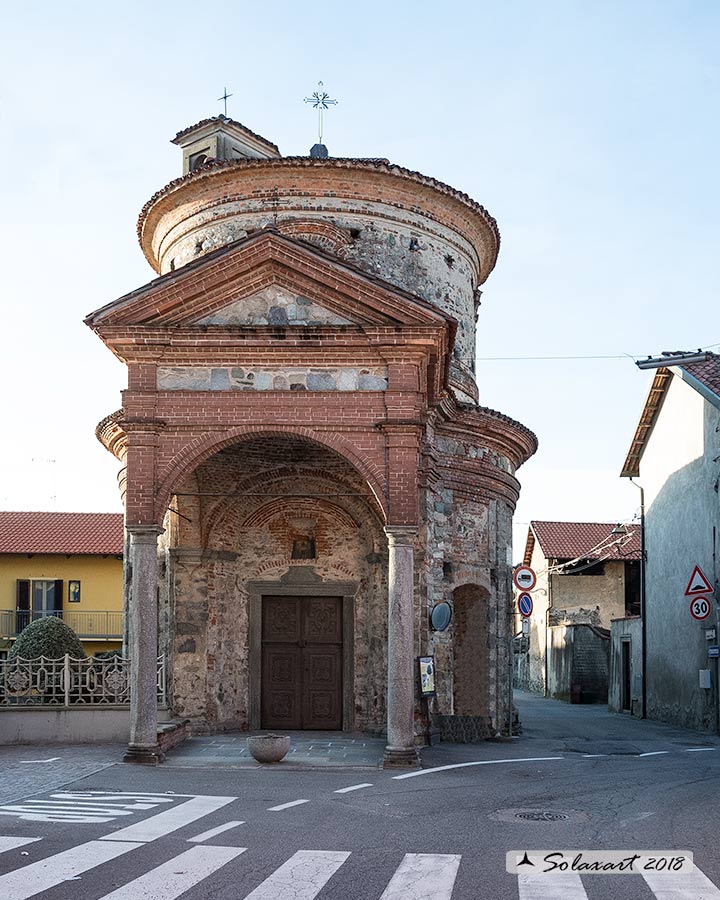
(69, 682)
(89, 624)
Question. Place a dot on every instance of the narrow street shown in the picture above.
(198, 828)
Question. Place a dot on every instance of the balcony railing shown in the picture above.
(93, 625)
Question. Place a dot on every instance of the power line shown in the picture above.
(630, 356)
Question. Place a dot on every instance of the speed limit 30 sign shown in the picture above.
(700, 607)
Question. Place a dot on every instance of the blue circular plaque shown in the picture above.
(441, 616)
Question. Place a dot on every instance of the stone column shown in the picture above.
(143, 615)
(400, 749)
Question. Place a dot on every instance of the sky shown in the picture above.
(589, 130)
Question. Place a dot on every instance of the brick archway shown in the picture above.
(202, 448)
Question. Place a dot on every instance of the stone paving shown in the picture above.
(311, 749)
(32, 768)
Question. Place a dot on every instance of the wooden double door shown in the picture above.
(302, 663)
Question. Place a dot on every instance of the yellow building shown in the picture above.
(62, 564)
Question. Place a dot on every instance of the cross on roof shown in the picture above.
(224, 98)
(320, 100)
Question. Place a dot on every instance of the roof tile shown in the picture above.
(61, 532)
(586, 540)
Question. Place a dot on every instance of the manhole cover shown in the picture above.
(541, 815)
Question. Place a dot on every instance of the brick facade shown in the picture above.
(372, 422)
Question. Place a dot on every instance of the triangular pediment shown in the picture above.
(274, 305)
(270, 277)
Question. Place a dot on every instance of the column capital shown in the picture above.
(401, 535)
(144, 534)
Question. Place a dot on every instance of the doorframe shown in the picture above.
(301, 581)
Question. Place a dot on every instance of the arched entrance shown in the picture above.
(276, 591)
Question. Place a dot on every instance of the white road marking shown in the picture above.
(302, 877)
(353, 787)
(173, 878)
(47, 873)
(32, 814)
(700, 749)
(693, 886)
(12, 843)
(286, 805)
(423, 876)
(170, 819)
(26, 762)
(654, 753)
(483, 762)
(593, 755)
(206, 835)
(564, 886)
(84, 806)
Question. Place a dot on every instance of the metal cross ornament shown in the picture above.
(224, 99)
(320, 101)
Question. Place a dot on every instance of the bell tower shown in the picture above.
(221, 138)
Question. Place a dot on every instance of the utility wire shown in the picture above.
(633, 356)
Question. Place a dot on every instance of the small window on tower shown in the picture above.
(197, 160)
(303, 548)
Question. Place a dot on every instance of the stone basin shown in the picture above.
(268, 748)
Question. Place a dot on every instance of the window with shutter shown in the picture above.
(58, 596)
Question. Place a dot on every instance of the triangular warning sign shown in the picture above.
(698, 583)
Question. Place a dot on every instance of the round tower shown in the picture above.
(398, 225)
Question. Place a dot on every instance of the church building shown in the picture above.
(306, 471)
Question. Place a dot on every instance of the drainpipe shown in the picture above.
(643, 622)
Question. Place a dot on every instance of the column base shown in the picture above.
(144, 756)
(406, 758)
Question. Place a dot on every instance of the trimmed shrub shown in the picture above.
(49, 637)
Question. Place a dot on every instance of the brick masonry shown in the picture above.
(304, 368)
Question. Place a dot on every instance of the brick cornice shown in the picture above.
(223, 179)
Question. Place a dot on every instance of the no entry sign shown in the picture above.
(700, 607)
(525, 605)
(524, 578)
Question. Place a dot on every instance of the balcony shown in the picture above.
(89, 625)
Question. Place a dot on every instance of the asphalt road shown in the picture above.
(601, 782)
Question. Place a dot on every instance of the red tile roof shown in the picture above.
(60, 532)
(707, 373)
(585, 540)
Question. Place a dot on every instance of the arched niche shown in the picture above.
(470, 649)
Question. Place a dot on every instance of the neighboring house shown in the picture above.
(675, 455)
(588, 573)
(62, 564)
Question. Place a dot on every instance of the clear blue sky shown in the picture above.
(589, 130)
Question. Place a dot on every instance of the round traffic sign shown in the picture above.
(525, 605)
(524, 578)
(700, 607)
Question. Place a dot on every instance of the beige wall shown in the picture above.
(101, 579)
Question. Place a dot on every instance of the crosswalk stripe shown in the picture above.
(12, 843)
(423, 876)
(173, 878)
(564, 886)
(693, 886)
(302, 877)
(169, 820)
(213, 832)
(46, 873)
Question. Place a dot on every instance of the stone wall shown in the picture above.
(248, 505)
(578, 655)
(252, 378)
